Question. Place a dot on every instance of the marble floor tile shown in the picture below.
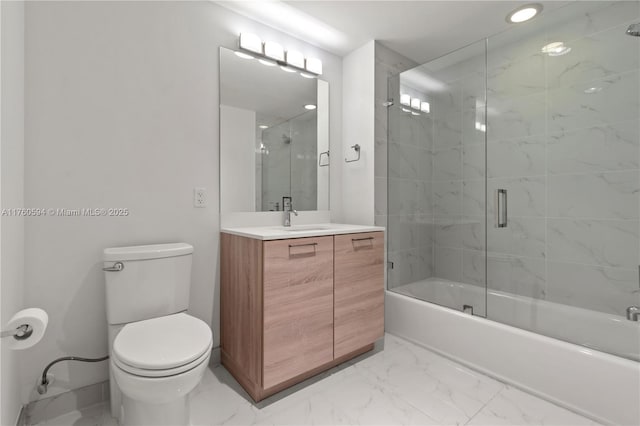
(400, 384)
(514, 407)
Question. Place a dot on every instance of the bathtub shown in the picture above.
(593, 383)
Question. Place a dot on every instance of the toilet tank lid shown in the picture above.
(153, 251)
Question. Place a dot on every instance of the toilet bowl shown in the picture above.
(156, 363)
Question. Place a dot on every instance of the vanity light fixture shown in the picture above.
(557, 48)
(251, 42)
(425, 107)
(406, 110)
(314, 65)
(405, 100)
(271, 53)
(295, 58)
(415, 103)
(310, 107)
(524, 13)
(274, 51)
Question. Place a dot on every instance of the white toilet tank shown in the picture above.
(154, 281)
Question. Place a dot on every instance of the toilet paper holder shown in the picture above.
(22, 332)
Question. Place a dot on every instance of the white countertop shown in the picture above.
(298, 231)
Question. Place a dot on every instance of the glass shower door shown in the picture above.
(437, 182)
(563, 142)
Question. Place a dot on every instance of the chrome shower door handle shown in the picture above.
(501, 208)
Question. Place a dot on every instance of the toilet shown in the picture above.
(158, 352)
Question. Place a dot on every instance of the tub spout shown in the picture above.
(633, 313)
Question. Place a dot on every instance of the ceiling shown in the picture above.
(419, 30)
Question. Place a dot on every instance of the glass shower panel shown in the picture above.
(563, 113)
(436, 184)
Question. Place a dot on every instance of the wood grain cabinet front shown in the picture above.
(293, 308)
(298, 307)
(358, 291)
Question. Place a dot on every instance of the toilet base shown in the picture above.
(136, 413)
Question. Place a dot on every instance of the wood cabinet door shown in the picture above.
(359, 291)
(298, 307)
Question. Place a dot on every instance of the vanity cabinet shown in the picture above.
(291, 308)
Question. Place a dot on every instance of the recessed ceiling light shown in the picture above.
(310, 107)
(263, 126)
(524, 13)
(557, 48)
(243, 55)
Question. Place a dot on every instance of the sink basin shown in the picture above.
(304, 228)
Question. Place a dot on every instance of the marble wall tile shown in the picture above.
(571, 108)
(474, 161)
(587, 18)
(448, 263)
(473, 232)
(410, 266)
(471, 135)
(525, 196)
(447, 164)
(516, 157)
(447, 198)
(611, 243)
(595, 149)
(409, 197)
(448, 232)
(600, 195)
(409, 162)
(474, 268)
(609, 290)
(381, 158)
(593, 57)
(380, 202)
(410, 232)
(517, 275)
(516, 117)
(524, 236)
(473, 198)
(408, 129)
(515, 78)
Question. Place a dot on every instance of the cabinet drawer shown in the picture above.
(298, 307)
(359, 291)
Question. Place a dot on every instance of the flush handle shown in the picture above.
(117, 267)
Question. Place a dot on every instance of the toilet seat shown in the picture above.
(149, 373)
(162, 346)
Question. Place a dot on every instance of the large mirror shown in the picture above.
(274, 136)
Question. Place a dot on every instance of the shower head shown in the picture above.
(634, 30)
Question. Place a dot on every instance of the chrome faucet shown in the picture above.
(633, 313)
(287, 216)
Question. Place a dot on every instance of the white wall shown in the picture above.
(12, 193)
(122, 111)
(358, 98)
